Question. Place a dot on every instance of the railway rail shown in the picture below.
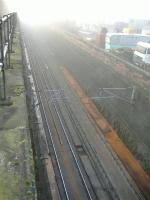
(52, 112)
(57, 157)
(100, 172)
(103, 178)
(97, 166)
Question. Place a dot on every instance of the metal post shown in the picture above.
(8, 40)
(11, 33)
(5, 37)
(1, 64)
(7, 24)
(2, 61)
(4, 83)
(132, 95)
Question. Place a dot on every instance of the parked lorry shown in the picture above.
(141, 54)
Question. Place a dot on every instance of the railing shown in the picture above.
(7, 27)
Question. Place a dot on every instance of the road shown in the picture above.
(85, 165)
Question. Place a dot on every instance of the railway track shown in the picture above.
(52, 112)
(92, 156)
(49, 136)
(89, 194)
(98, 168)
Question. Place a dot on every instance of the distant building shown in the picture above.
(139, 25)
(119, 26)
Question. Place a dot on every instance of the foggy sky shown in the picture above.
(85, 10)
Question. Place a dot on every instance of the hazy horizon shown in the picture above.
(89, 11)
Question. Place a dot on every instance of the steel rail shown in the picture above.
(78, 130)
(73, 153)
(56, 111)
(70, 113)
(49, 131)
(70, 146)
(137, 192)
(139, 196)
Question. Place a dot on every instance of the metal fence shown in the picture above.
(7, 28)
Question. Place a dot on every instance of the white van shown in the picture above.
(141, 54)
